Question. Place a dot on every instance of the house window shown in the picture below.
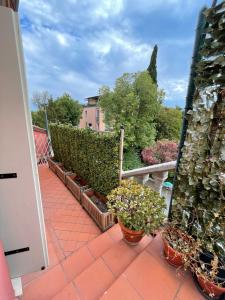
(86, 113)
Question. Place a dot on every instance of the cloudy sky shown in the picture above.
(76, 46)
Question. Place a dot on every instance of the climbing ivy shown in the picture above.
(200, 186)
(93, 156)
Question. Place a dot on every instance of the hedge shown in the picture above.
(93, 156)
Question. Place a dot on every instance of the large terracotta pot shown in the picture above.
(210, 287)
(132, 237)
(206, 285)
(173, 257)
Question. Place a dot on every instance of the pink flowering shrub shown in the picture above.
(162, 151)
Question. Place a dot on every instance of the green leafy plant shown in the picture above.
(132, 159)
(137, 206)
(93, 156)
(199, 188)
(168, 124)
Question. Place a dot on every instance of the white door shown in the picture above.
(21, 216)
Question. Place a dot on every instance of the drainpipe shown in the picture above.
(199, 40)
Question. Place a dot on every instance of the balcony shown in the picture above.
(88, 264)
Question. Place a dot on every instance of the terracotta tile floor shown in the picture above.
(87, 265)
(68, 226)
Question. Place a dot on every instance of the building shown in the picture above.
(92, 115)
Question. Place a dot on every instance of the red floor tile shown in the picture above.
(68, 293)
(77, 262)
(115, 233)
(99, 245)
(119, 257)
(155, 248)
(121, 290)
(45, 286)
(151, 279)
(188, 290)
(146, 240)
(92, 283)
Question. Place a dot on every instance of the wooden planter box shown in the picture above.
(52, 164)
(76, 188)
(61, 173)
(103, 219)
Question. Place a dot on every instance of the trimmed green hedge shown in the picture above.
(93, 156)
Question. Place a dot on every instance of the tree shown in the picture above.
(64, 109)
(133, 103)
(152, 68)
(168, 123)
(40, 99)
(67, 110)
(38, 118)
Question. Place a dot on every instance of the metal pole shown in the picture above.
(214, 3)
(46, 119)
(121, 152)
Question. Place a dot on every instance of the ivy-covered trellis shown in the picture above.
(200, 186)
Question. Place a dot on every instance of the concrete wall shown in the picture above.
(21, 214)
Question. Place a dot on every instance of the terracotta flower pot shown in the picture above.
(173, 257)
(132, 237)
(210, 287)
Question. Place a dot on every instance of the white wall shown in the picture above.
(21, 215)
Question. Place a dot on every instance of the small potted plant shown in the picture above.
(178, 245)
(139, 210)
(208, 263)
(209, 270)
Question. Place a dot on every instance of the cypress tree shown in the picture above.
(152, 69)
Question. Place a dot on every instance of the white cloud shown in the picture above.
(135, 52)
(106, 8)
(176, 90)
(62, 39)
(178, 7)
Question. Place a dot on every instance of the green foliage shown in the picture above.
(137, 206)
(152, 68)
(64, 110)
(133, 103)
(168, 124)
(200, 186)
(93, 156)
(132, 160)
(38, 118)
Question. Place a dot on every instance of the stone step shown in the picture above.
(93, 274)
(56, 278)
(149, 276)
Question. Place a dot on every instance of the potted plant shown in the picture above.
(208, 263)
(178, 245)
(95, 204)
(139, 210)
(209, 270)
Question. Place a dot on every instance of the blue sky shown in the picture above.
(76, 46)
